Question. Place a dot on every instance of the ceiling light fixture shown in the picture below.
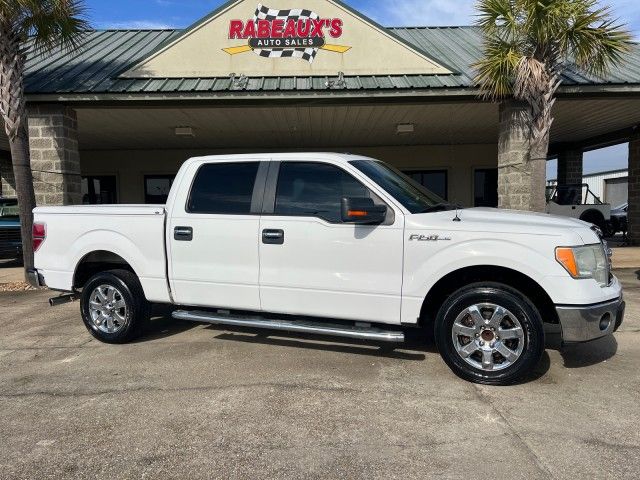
(184, 132)
(405, 128)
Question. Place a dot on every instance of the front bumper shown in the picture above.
(581, 323)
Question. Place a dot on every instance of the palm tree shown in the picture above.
(29, 26)
(527, 45)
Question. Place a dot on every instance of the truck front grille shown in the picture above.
(9, 235)
(10, 240)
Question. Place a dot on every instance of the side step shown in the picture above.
(319, 328)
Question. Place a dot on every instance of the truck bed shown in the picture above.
(133, 232)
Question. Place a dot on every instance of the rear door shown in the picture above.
(213, 235)
(313, 264)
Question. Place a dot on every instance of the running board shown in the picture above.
(318, 328)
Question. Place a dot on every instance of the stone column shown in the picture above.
(521, 181)
(633, 212)
(7, 182)
(570, 166)
(55, 159)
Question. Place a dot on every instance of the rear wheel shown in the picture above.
(489, 333)
(113, 306)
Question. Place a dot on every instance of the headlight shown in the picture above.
(589, 261)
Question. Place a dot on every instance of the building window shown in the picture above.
(223, 188)
(436, 181)
(485, 187)
(97, 190)
(156, 188)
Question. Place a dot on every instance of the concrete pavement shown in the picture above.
(212, 402)
(626, 257)
(11, 271)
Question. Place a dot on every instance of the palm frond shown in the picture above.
(53, 23)
(496, 71)
(545, 35)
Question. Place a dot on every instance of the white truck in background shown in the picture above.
(333, 244)
(578, 201)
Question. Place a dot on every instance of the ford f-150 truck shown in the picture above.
(333, 244)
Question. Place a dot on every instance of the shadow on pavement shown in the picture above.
(590, 353)
(161, 325)
(333, 344)
(372, 349)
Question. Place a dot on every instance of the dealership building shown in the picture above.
(113, 121)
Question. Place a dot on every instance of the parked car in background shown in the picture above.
(618, 221)
(10, 240)
(578, 201)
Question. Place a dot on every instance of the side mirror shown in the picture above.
(362, 211)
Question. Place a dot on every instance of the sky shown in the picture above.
(182, 13)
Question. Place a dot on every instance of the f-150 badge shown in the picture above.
(428, 238)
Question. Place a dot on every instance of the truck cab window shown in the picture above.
(224, 188)
(315, 190)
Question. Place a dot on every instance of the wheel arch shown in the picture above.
(456, 279)
(592, 214)
(98, 261)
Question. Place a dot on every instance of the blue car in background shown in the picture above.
(10, 240)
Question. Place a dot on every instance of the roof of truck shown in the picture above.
(340, 157)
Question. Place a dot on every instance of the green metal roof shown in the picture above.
(105, 54)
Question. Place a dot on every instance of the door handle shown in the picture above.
(183, 234)
(273, 237)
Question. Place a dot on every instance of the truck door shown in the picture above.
(213, 236)
(313, 264)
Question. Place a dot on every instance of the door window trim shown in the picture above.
(257, 196)
(268, 208)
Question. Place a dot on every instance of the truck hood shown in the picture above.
(493, 220)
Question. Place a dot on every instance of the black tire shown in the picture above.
(506, 297)
(137, 307)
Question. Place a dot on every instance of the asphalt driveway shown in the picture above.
(210, 402)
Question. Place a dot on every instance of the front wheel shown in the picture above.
(489, 333)
(113, 306)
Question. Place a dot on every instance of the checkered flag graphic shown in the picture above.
(266, 13)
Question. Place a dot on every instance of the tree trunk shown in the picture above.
(24, 191)
(13, 110)
(538, 176)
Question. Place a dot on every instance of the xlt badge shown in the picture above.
(428, 238)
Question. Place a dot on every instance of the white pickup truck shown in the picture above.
(333, 244)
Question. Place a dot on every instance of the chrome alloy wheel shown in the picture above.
(488, 337)
(108, 309)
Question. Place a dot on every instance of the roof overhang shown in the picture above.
(242, 96)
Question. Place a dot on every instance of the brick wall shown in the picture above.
(55, 159)
(570, 166)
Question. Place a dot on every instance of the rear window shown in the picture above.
(223, 188)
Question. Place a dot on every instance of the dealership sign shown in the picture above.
(292, 33)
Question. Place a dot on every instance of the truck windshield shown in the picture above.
(8, 209)
(413, 196)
